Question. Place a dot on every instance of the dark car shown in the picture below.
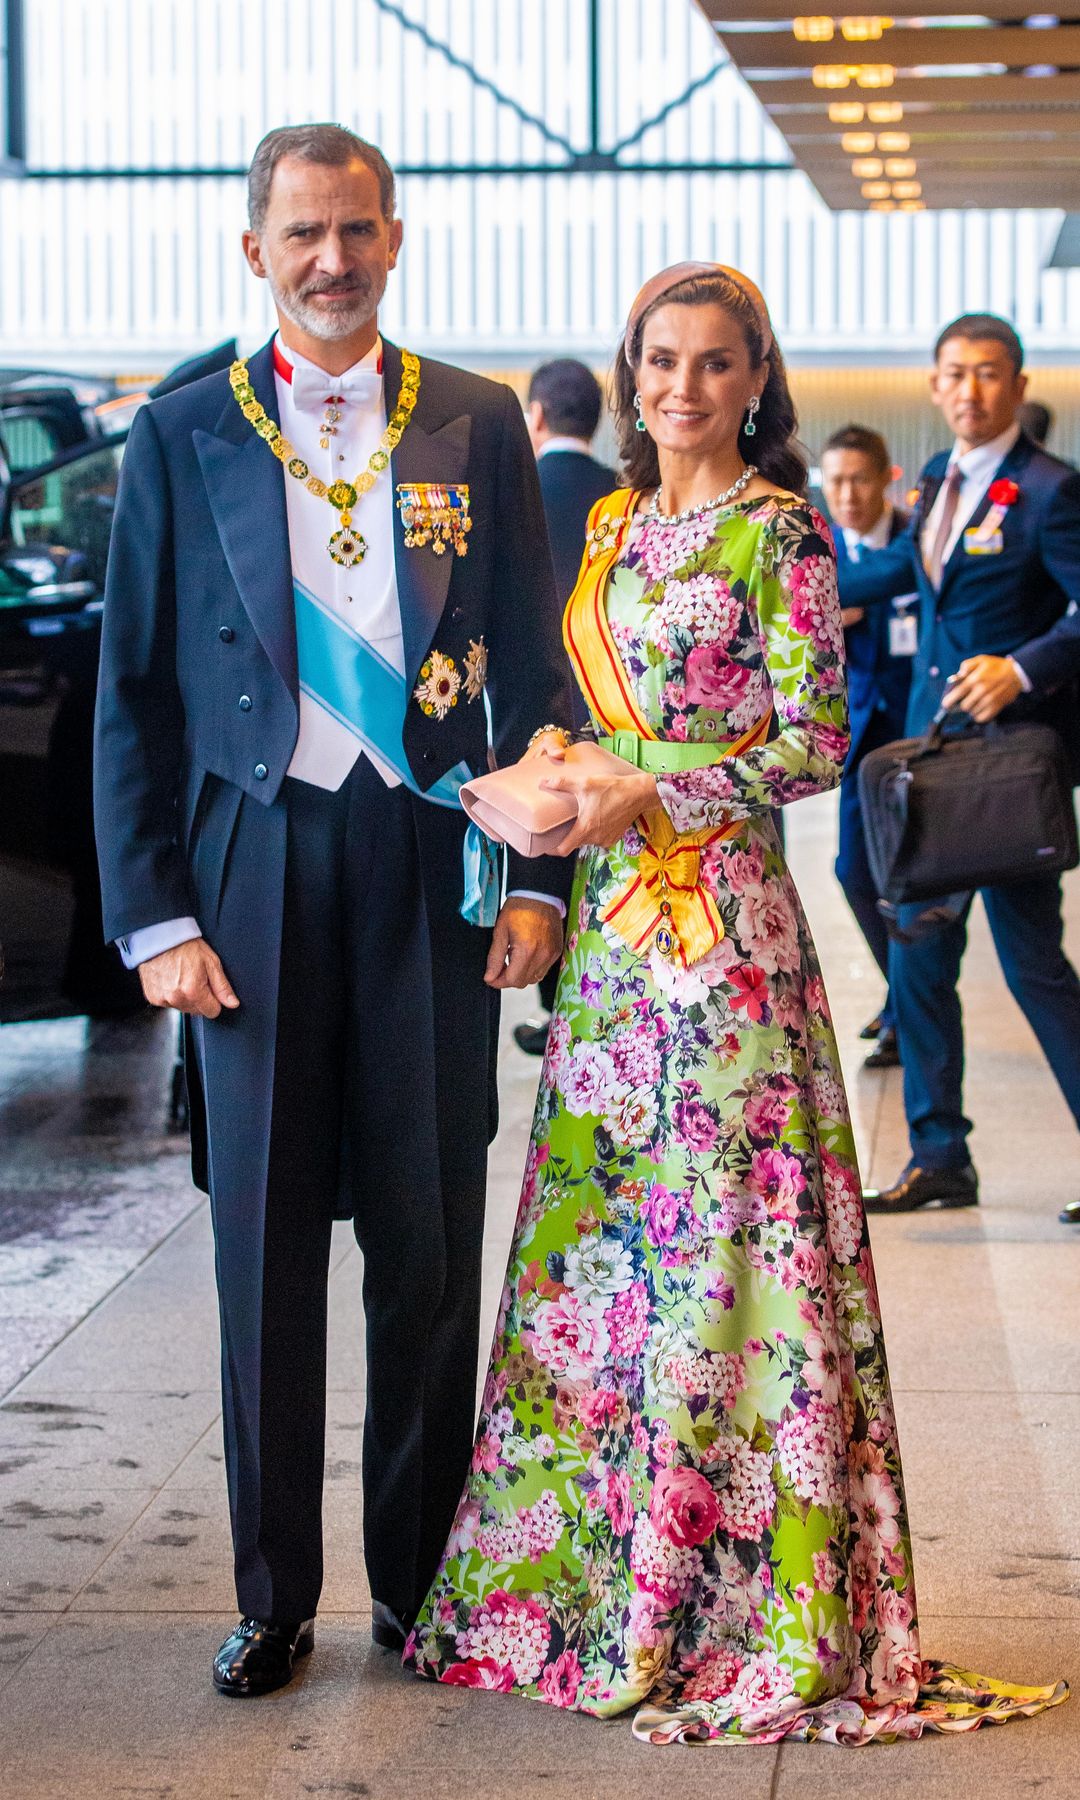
(54, 540)
(55, 522)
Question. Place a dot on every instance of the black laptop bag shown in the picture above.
(962, 809)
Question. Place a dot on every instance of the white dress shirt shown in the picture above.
(364, 597)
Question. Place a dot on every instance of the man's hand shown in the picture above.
(851, 615)
(983, 686)
(527, 939)
(189, 978)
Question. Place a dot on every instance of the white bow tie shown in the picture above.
(311, 388)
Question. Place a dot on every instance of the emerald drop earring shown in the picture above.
(639, 423)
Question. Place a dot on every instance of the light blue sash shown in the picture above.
(347, 677)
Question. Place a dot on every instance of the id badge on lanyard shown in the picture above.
(904, 626)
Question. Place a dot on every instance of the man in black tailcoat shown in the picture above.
(291, 692)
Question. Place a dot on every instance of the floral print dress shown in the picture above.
(686, 1497)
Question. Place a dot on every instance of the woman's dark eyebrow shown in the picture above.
(666, 350)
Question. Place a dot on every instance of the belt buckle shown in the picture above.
(627, 744)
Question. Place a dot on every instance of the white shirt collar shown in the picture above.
(581, 445)
(874, 539)
(371, 361)
(979, 464)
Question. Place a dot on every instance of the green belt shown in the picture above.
(659, 756)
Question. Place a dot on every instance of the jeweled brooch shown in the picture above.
(476, 669)
(437, 689)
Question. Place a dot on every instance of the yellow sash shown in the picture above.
(665, 903)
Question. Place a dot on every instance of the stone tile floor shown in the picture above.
(114, 1566)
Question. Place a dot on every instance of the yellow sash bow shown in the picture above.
(665, 903)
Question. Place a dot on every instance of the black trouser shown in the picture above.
(380, 1113)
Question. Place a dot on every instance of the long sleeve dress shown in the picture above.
(686, 1497)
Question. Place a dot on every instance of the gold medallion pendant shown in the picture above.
(346, 546)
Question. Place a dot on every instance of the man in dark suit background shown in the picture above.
(856, 471)
(563, 413)
(283, 723)
(993, 550)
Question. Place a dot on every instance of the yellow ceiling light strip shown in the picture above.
(846, 112)
(864, 31)
(815, 30)
(841, 75)
(858, 143)
(884, 112)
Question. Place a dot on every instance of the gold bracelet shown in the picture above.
(543, 731)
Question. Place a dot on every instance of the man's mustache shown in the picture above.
(348, 284)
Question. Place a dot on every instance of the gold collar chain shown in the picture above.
(346, 546)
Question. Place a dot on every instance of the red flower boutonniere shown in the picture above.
(1003, 492)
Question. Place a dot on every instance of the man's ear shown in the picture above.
(253, 252)
(395, 234)
(934, 395)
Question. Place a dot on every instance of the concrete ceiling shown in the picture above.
(988, 98)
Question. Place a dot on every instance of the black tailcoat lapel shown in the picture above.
(246, 487)
(433, 448)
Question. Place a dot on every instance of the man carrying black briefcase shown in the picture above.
(994, 553)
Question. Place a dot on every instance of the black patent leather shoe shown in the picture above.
(389, 1629)
(1070, 1213)
(925, 1187)
(872, 1029)
(259, 1656)
(887, 1054)
(532, 1038)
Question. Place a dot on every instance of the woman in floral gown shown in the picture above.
(686, 1495)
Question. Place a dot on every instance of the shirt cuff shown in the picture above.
(1021, 675)
(153, 940)
(531, 894)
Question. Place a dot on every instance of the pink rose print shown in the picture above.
(683, 1508)
(568, 1337)
(778, 1177)
(714, 679)
(561, 1679)
(483, 1674)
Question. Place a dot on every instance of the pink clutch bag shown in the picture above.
(510, 806)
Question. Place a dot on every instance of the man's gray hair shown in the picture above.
(332, 146)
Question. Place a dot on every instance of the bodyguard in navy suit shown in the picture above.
(290, 692)
(856, 470)
(994, 552)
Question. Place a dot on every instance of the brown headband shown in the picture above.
(687, 271)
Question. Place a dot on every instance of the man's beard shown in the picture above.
(338, 320)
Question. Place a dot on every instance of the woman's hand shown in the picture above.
(610, 794)
(555, 739)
